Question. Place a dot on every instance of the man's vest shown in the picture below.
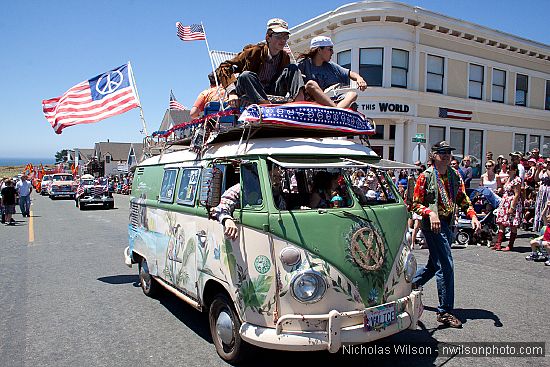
(431, 197)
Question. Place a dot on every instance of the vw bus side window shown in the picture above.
(168, 185)
(250, 186)
(371, 186)
(188, 186)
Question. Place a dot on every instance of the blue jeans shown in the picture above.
(25, 204)
(440, 264)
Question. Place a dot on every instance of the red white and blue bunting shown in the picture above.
(311, 116)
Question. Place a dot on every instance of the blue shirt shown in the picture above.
(325, 75)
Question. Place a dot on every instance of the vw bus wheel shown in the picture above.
(146, 281)
(224, 327)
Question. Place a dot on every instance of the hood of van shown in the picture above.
(361, 244)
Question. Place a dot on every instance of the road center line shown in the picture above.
(31, 227)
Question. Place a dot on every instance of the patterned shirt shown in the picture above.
(269, 69)
(462, 200)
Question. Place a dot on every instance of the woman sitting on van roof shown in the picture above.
(320, 73)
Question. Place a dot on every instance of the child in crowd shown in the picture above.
(542, 243)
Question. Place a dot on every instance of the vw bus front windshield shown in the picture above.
(329, 187)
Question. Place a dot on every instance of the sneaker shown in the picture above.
(541, 257)
(547, 263)
(449, 320)
(532, 256)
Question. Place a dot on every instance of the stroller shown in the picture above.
(484, 202)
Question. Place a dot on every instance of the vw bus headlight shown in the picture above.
(410, 267)
(308, 287)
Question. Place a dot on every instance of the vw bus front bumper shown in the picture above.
(340, 328)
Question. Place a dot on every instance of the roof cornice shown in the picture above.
(366, 12)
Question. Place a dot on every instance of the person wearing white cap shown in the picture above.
(321, 73)
(264, 69)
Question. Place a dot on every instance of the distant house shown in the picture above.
(174, 117)
(135, 155)
(112, 157)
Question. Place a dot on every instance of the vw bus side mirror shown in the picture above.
(211, 187)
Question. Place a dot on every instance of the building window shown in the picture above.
(534, 142)
(107, 159)
(379, 150)
(475, 150)
(392, 132)
(545, 151)
(391, 155)
(520, 142)
(457, 142)
(371, 65)
(343, 59)
(521, 89)
(499, 85)
(435, 74)
(399, 68)
(437, 134)
(547, 100)
(379, 132)
(476, 81)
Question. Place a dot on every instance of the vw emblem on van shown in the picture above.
(367, 248)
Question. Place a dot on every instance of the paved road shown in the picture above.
(68, 300)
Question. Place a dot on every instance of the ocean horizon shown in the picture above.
(14, 161)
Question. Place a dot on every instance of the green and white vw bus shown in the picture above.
(327, 268)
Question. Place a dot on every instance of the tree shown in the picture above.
(61, 156)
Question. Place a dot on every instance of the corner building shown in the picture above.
(434, 77)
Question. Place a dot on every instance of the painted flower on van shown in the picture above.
(373, 297)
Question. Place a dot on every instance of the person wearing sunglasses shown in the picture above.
(322, 75)
(489, 178)
(263, 69)
(438, 192)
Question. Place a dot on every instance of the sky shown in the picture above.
(46, 47)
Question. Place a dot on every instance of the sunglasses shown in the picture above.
(489, 165)
(329, 47)
(443, 152)
(280, 36)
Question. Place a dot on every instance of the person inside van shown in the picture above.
(231, 198)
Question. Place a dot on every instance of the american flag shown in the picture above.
(448, 113)
(93, 100)
(175, 105)
(194, 32)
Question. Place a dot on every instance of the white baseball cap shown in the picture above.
(321, 41)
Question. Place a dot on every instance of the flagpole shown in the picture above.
(213, 69)
(131, 72)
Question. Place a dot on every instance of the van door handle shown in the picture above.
(322, 211)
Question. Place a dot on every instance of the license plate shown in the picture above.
(380, 317)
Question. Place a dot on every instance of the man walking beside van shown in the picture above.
(24, 189)
(438, 192)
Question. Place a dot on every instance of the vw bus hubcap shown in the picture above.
(224, 327)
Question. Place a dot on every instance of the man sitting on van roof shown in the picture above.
(264, 69)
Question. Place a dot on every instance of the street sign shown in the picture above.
(419, 136)
(418, 140)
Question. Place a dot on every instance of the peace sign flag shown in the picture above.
(93, 100)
